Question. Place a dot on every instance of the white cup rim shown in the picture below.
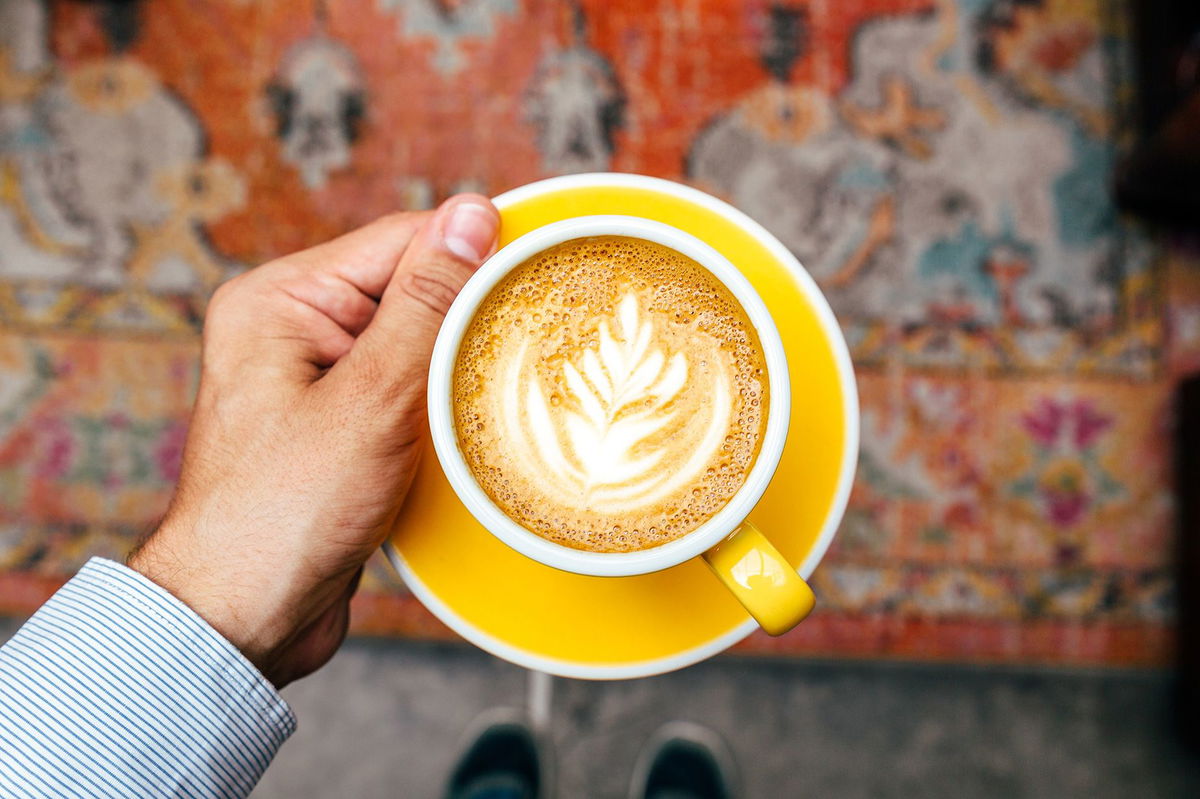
(499, 524)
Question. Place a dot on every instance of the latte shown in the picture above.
(610, 394)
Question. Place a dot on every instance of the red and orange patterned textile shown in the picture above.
(940, 166)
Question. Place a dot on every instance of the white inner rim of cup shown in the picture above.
(528, 543)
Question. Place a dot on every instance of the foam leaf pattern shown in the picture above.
(610, 444)
(620, 395)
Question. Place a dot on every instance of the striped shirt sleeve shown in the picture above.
(116, 688)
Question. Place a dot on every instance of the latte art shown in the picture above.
(600, 444)
(610, 394)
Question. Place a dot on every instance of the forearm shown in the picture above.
(115, 688)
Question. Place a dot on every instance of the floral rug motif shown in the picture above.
(940, 166)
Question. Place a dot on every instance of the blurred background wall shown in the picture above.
(942, 167)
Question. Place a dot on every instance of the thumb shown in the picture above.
(434, 267)
(436, 264)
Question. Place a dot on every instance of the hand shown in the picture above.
(306, 428)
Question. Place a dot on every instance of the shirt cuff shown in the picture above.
(115, 687)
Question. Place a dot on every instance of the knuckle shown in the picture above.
(230, 295)
(244, 292)
(230, 309)
(221, 297)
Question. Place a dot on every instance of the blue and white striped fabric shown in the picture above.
(116, 688)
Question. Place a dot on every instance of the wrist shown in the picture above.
(229, 607)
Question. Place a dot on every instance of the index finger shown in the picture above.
(366, 257)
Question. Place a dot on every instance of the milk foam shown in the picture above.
(600, 447)
(610, 394)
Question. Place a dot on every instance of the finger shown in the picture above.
(328, 294)
(439, 260)
(365, 258)
(314, 337)
(268, 328)
(311, 304)
(344, 278)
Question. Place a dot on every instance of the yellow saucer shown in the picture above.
(620, 627)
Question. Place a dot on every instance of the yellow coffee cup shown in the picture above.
(738, 553)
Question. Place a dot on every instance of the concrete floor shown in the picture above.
(385, 719)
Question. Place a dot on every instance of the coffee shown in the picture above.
(610, 394)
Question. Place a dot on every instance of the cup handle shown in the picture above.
(761, 579)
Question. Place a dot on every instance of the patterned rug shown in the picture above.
(940, 166)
